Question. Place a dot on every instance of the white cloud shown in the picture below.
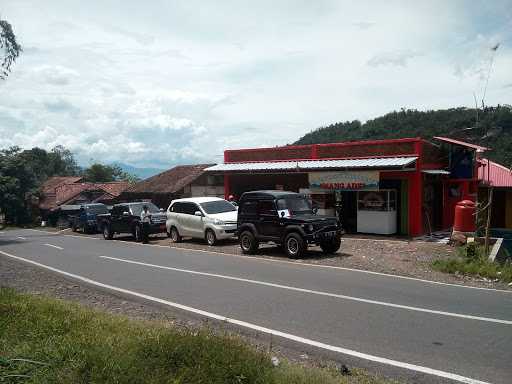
(169, 82)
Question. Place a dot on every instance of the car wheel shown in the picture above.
(73, 228)
(175, 235)
(210, 237)
(330, 247)
(138, 234)
(107, 233)
(294, 245)
(248, 243)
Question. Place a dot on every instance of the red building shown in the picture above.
(403, 186)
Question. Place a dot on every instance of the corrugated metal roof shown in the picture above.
(494, 174)
(462, 143)
(385, 162)
(436, 172)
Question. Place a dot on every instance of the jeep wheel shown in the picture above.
(294, 245)
(138, 234)
(248, 243)
(107, 233)
(175, 235)
(330, 247)
(210, 237)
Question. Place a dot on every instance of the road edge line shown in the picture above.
(288, 336)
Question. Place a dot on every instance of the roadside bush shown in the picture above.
(47, 341)
(472, 261)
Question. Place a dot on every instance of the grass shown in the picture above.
(44, 340)
(473, 261)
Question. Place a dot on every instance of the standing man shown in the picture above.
(145, 219)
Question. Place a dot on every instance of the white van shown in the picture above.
(209, 218)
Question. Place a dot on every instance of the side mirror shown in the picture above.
(315, 210)
(161, 210)
(198, 213)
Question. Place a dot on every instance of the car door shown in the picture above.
(268, 220)
(176, 217)
(115, 215)
(196, 222)
(124, 220)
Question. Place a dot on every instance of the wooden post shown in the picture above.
(488, 224)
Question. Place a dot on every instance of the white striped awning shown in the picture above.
(375, 163)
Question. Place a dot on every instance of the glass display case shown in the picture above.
(377, 212)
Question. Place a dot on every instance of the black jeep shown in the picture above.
(287, 219)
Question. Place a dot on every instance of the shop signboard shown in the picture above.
(344, 181)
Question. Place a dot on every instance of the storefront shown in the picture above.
(385, 187)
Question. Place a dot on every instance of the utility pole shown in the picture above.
(488, 224)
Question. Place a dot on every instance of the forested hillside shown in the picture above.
(492, 129)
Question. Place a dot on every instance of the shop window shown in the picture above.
(377, 201)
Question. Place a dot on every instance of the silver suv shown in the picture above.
(209, 218)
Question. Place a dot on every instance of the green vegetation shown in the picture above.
(22, 172)
(493, 129)
(473, 261)
(47, 341)
(101, 173)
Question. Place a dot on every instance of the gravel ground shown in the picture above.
(410, 258)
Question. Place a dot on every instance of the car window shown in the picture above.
(266, 207)
(190, 208)
(97, 209)
(137, 208)
(249, 208)
(177, 207)
(218, 206)
(294, 205)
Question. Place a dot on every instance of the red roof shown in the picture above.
(462, 143)
(494, 174)
(55, 181)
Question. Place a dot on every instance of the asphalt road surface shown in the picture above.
(432, 331)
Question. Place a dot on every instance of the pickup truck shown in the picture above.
(85, 219)
(125, 218)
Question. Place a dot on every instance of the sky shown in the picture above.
(157, 83)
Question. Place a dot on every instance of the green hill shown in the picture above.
(493, 128)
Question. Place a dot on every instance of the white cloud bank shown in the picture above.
(160, 83)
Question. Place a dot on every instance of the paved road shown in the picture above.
(436, 332)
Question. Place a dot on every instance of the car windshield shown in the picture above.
(96, 209)
(294, 205)
(137, 208)
(217, 206)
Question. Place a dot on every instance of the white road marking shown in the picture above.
(54, 246)
(320, 293)
(269, 260)
(289, 336)
(21, 238)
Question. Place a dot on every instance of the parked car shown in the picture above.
(209, 218)
(125, 218)
(287, 219)
(85, 220)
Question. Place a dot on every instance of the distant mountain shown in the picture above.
(141, 173)
(493, 128)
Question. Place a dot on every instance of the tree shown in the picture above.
(10, 47)
(22, 172)
(100, 173)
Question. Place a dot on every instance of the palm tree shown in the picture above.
(10, 47)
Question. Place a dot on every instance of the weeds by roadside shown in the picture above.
(473, 261)
(43, 340)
